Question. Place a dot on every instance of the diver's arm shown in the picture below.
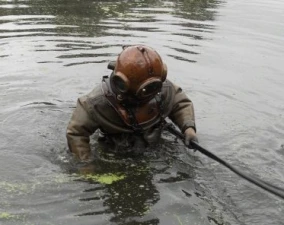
(79, 130)
(182, 113)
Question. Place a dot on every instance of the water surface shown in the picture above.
(226, 55)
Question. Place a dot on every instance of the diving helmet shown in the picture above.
(138, 73)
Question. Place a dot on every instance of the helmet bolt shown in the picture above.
(141, 49)
(119, 97)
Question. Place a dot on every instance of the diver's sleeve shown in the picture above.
(182, 113)
(79, 130)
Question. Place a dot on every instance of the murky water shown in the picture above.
(227, 56)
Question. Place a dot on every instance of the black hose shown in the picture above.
(262, 184)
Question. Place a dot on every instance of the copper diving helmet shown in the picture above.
(138, 73)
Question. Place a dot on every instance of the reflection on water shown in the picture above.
(128, 187)
(132, 196)
(52, 52)
(72, 18)
(95, 23)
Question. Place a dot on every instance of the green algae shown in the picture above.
(107, 178)
(5, 215)
(14, 187)
(20, 188)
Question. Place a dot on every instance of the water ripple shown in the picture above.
(227, 56)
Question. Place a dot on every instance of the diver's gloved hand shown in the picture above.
(83, 154)
(87, 168)
(190, 135)
(85, 164)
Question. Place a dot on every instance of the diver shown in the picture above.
(130, 106)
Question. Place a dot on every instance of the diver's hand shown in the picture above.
(87, 168)
(84, 161)
(83, 155)
(190, 135)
